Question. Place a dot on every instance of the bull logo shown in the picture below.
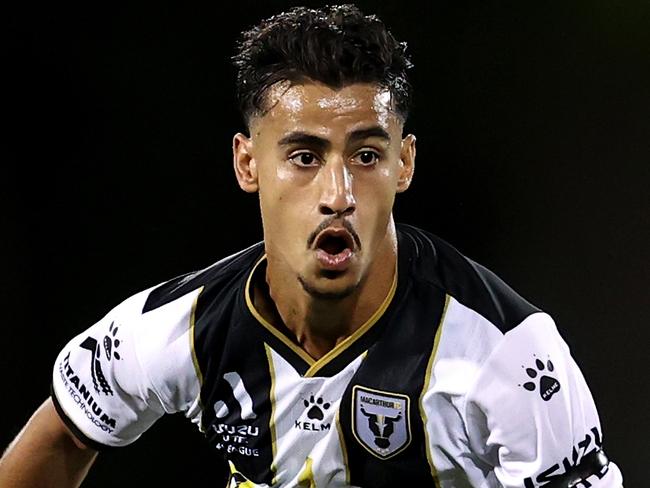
(380, 421)
(381, 426)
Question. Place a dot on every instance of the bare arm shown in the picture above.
(45, 454)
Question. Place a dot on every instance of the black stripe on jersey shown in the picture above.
(226, 343)
(98, 446)
(468, 282)
(396, 365)
(229, 347)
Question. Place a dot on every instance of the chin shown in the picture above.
(330, 285)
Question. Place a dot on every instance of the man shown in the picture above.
(344, 350)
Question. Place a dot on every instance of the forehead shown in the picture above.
(320, 108)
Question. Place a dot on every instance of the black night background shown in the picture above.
(533, 126)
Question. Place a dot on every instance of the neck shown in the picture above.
(318, 324)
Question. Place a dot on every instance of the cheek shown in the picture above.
(281, 177)
(283, 197)
(283, 174)
(380, 185)
(375, 197)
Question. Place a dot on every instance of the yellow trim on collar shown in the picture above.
(249, 302)
(316, 365)
(345, 343)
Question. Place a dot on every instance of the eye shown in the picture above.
(304, 159)
(366, 158)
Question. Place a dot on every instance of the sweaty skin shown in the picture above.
(45, 454)
(334, 157)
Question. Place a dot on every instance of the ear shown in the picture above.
(244, 163)
(407, 160)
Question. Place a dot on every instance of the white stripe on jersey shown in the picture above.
(296, 435)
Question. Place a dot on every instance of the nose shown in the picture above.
(337, 196)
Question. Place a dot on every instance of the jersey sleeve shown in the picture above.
(115, 379)
(531, 416)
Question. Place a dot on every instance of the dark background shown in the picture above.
(533, 125)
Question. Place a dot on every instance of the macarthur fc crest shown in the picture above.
(380, 421)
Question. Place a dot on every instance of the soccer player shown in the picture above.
(343, 350)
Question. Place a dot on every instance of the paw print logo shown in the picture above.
(548, 386)
(111, 343)
(316, 407)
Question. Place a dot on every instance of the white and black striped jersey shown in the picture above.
(455, 381)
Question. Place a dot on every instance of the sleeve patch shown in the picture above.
(86, 396)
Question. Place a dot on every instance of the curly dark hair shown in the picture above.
(335, 45)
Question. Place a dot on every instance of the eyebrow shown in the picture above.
(374, 131)
(307, 139)
(304, 139)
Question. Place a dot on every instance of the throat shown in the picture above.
(318, 324)
(323, 327)
(315, 327)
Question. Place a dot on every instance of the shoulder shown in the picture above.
(503, 365)
(473, 286)
(113, 380)
(479, 312)
(169, 311)
(220, 274)
(530, 410)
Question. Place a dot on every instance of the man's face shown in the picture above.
(327, 164)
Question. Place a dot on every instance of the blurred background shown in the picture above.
(533, 126)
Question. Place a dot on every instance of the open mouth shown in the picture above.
(334, 241)
(334, 249)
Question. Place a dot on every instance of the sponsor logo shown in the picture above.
(315, 408)
(545, 384)
(110, 343)
(566, 472)
(380, 421)
(233, 436)
(240, 397)
(82, 396)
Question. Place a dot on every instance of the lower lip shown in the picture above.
(334, 262)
